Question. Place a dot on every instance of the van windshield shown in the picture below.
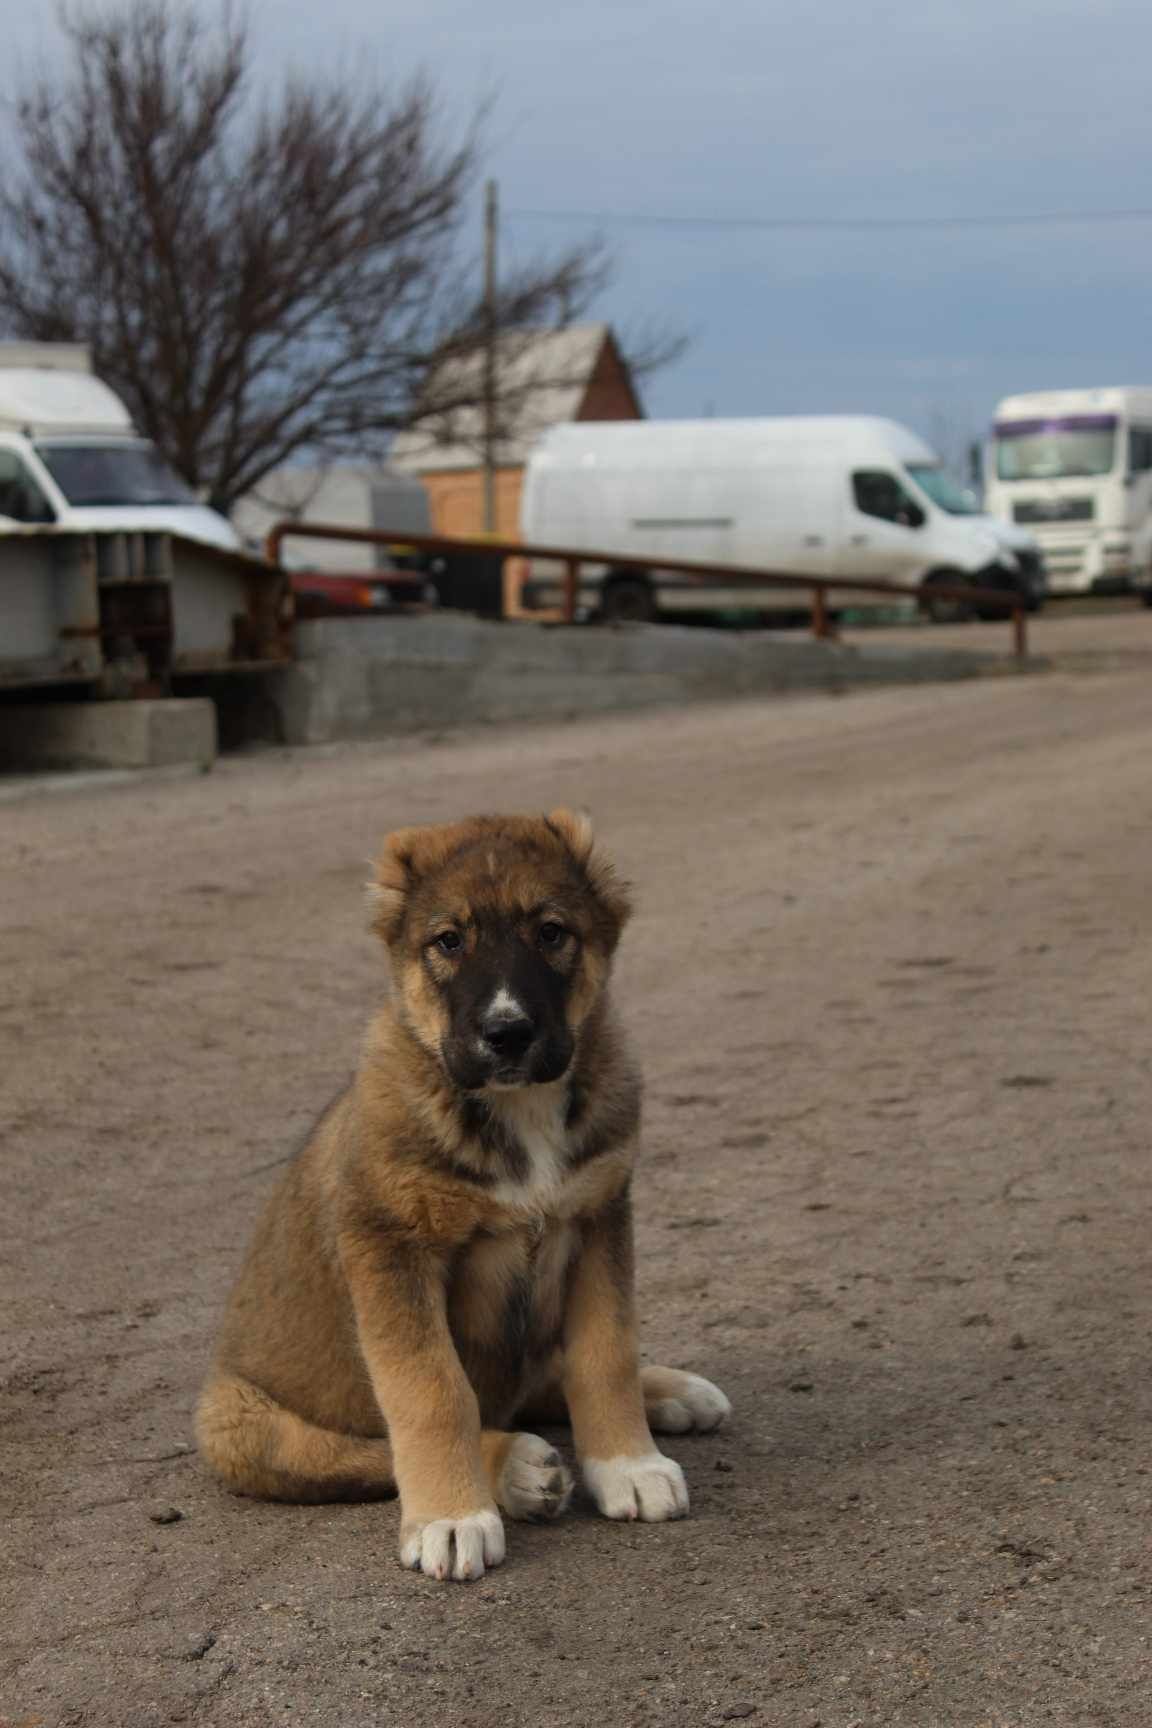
(943, 490)
(1074, 445)
(125, 474)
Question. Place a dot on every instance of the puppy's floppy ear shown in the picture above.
(397, 870)
(574, 828)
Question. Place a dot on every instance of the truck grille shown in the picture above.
(1065, 564)
(1054, 510)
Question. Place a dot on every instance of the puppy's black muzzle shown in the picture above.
(507, 1017)
(509, 1035)
(509, 1050)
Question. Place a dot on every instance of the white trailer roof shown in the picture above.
(52, 356)
(44, 401)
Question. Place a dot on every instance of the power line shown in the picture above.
(828, 224)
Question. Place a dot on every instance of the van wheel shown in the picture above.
(942, 611)
(628, 600)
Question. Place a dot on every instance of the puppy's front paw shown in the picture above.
(453, 1547)
(533, 1482)
(651, 1487)
(679, 1403)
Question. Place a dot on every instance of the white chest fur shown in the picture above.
(535, 1116)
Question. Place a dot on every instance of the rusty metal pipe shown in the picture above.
(821, 628)
(571, 588)
(572, 558)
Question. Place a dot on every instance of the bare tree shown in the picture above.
(257, 277)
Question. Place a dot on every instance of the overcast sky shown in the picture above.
(785, 108)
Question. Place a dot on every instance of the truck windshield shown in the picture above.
(124, 474)
(1075, 445)
(942, 490)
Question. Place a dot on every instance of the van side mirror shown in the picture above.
(910, 515)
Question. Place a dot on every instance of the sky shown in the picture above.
(785, 109)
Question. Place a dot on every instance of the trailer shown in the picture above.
(114, 576)
(134, 612)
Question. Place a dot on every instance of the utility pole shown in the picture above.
(491, 229)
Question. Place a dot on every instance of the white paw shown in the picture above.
(453, 1547)
(533, 1483)
(698, 1407)
(651, 1487)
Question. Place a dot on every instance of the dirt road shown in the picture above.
(891, 983)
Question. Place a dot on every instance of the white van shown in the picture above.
(70, 457)
(1075, 466)
(812, 496)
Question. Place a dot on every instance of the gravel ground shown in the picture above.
(891, 982)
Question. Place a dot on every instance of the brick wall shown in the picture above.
(610, 394)
(457, 500)
(457, 503)
(457, 496)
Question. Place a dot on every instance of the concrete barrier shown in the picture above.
(365, 678)
(143, 734)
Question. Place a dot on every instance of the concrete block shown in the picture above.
(372, 677)
(146, 734)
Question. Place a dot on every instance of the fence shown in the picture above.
(732, 576)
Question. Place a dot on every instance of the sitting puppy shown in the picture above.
(452, 1249)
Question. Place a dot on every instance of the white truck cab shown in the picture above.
(834, 496)
(1075, 467)
(71, 459)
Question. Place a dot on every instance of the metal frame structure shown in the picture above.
(819, 587)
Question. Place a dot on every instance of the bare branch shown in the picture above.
(256, 276)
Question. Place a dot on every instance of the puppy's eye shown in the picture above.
(551, 934)
(448, 942)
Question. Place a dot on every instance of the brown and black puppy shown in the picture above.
(452, 1250)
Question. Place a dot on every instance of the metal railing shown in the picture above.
(1013, 605)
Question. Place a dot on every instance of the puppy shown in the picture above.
(451, 1252)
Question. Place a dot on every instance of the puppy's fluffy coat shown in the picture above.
(451, 1252)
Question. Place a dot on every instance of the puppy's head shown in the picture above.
(501, 931)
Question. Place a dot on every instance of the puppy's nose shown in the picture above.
(507, 1034)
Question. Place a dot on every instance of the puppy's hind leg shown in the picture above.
(258, 1447)
(527, 1476)
(674, 1402)
(680, 1403)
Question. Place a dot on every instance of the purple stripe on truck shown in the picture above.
(1065, 423)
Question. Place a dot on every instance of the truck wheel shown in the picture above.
(1146, 596)
(628, 600)
(1001, 614)
(944, 611)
